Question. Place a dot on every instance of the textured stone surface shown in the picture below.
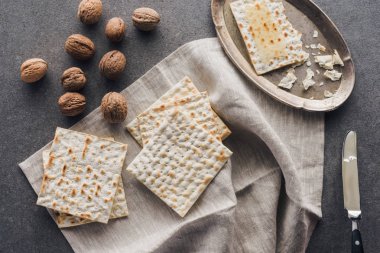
(29, 114)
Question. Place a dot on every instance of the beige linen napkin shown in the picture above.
(266, 199)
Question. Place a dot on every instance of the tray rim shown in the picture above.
(345, 88)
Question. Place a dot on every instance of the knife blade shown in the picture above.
(351, 192)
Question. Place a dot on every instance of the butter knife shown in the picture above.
(351, 189)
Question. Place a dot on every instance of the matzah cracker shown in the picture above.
(82, 175)
(270, 38)
(183, 88)
(197, 107)
(179, 161)
(119, 205)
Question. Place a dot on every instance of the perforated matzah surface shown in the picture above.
(196, 107)
(81, 175)
(119, 205)
(270, 38)
(183, 88)
(179, 161)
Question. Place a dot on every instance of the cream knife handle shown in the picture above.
(356, 243)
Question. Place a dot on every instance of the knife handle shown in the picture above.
(356, 243)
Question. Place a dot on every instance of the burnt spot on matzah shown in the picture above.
(64, 169)
(85, 147)
(60, 181)
(44, 181)
(51, 160)
(85, 216)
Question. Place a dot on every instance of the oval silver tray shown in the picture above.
(305, 17)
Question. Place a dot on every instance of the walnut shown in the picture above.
(33, 70)
(114, 107)
(115, 29)
(145, 19)
(72, 103)
(73, 79)
(112, 64)
(90, 11)
(80, 47)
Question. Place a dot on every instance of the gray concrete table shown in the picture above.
(29, 115)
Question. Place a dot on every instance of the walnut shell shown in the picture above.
(33, 70)
(112, 64)
(90, 11)
(72, 103)
(114, 107)
(115, 29)
(73, 79)
(80, 47)
(145, 19)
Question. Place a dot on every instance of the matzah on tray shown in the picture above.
(270, 38)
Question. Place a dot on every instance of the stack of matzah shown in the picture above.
(182, 146)
(82, 179)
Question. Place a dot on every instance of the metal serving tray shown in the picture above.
(305, 17)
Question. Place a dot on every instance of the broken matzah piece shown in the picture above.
(179, 162)
(308, 81)
(183, 88)
(82, 175)
(270, 38)
(197, 107)
(333, 75)
(328, 61)
(119, 205)
(288, 80)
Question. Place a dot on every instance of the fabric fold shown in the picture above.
(266, 199)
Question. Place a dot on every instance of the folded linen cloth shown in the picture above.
(266, 199)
